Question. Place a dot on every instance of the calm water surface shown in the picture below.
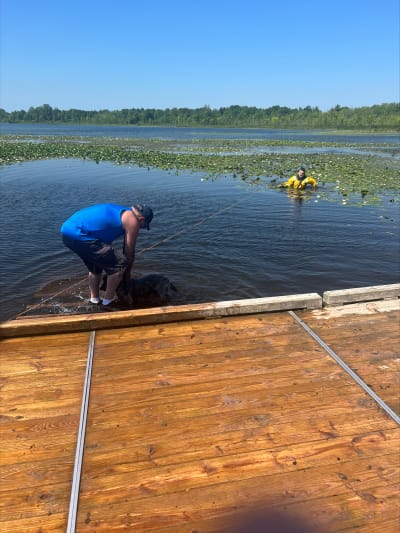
(160, 132)
(229, 240)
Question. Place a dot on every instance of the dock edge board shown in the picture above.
(363, 294)
(156, 315)
(54, 324)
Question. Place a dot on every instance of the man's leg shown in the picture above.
(94, 285)
(85, 251)
(112, 284)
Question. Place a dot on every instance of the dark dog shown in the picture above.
(151, 290)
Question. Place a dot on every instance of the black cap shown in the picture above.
(147, 213)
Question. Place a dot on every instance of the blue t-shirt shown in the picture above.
(101, 222)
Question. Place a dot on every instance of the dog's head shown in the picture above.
(151, 290)
(157, 285)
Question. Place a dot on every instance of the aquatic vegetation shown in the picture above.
(347, 173)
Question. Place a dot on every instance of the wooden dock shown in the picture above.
(182, 419)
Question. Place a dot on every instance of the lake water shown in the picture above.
(160, 132)
(216, 240)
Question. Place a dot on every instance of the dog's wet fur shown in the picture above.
(150, 290)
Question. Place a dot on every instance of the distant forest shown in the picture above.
(376, 117)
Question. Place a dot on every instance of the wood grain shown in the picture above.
(193, 422)
(41, 391)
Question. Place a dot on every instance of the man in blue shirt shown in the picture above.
(90, 232)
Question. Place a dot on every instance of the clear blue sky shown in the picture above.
(115, 54)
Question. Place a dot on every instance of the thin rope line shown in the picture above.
(187, 229)
(76, 479)
(346, 368)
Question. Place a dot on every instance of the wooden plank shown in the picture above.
(180, 381)
(332, 319)
(236, 436)
(369, 345)
(157, 315)
(225, 432)
(196, 333)
(37, 440)
(115, 487)
(53, 522)
(143, 427)
(188, 338)
(306, 487)
(38, 426)
(229, 359)
(40, 373)
(376, 308)
(35, 503)
(362, 294)
(34, 473)
(261, 324)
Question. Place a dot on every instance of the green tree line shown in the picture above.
(376, 117)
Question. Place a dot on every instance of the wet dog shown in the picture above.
(151, 290)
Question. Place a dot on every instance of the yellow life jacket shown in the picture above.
(300, 184)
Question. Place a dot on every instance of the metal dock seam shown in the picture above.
(76, 479)
(346, 368)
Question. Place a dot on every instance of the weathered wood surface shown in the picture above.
(40, 403)
(192, 422)
(83, 322)
(368, 342)
(362, 294)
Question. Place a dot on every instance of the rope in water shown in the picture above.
(140, 252)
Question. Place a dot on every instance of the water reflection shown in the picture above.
(298, 197)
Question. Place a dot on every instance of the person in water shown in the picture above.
(300, 180)
(90, 232)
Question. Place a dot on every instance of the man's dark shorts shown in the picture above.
(97, 255)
